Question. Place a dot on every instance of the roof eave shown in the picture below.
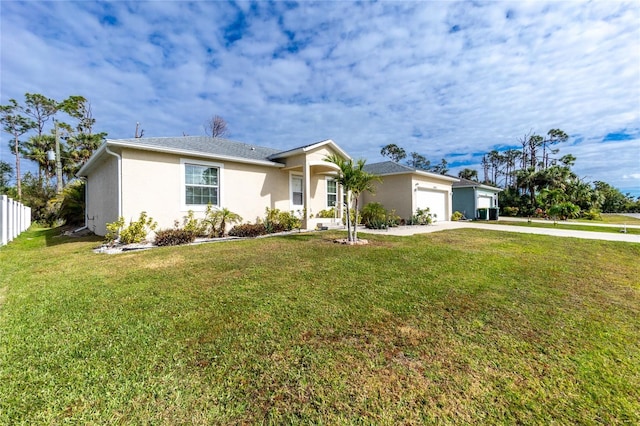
(308, 148)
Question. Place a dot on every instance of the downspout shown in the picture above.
(106, 148)
(475, 202)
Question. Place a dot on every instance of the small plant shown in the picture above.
(564, 211)
(422, 217)
(197, 227)
(216, 220)
(374, 216)
(592, 214)
(248, 230)
(327, 214)
(279, 221)
(510, 211)
(174, 237)
(393, 219)
(456, 216)
(136, 232)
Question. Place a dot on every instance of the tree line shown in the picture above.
(537, 180)
(37, 125)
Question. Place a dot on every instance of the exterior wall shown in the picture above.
(464, 202)
(102, 195)
(318, 194)
(153, 182)
(394, 193)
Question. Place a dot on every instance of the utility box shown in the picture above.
(493, 213)
(483, 214)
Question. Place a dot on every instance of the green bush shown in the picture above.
(279, 221)
(68, 206)
(248, 230)
(327, 214)
(564, 211)
(510, 211)
(422, 217)
(136, 232)
(197, 227)
(592, 214)
(174, 237)
(374, 216)
(456, 216)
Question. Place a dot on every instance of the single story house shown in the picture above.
(168, 177)
(469, 196)
(406, 189)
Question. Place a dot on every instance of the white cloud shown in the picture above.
(434, 77)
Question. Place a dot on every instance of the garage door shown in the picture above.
(484, 202)
(435, 200)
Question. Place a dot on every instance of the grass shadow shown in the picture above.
(63, 235)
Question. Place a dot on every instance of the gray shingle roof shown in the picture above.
(204, 145)
(387, 167)
(470, 183)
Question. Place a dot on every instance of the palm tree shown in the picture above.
(469, 174)
(354, 180)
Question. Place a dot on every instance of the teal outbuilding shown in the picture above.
(475, 200)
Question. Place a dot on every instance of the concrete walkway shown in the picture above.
(442, 226)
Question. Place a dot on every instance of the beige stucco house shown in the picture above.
(168, 177)
(405, 189)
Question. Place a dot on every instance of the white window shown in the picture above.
(201, 184)
(332, 192)
(297, 194)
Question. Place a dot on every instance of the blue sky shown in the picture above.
(445, 79)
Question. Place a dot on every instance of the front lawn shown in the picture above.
(464, 326)
(591, 226)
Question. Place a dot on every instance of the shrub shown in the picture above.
(248, 230)
(216, 220)
(374, 216)
(68, 206)
(279, 221)
(592, 214)
(564, 211)
(393, 219)
(510, 211)
(327, 214)
(136, 232)
(456, 216)
(422, 217)
(197, 227)
(174, 237)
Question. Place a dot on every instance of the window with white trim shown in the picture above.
(332, 192)
(202, 185)
(297, 190)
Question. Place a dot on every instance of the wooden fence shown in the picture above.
(14, 218)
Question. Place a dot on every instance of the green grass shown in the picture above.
(454, 327)
(592, 227)
(615, 219)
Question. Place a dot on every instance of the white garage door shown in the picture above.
(435, 200)
(484, 202)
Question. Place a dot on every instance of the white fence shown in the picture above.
(14, 218)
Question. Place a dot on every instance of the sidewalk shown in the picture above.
(442, 226)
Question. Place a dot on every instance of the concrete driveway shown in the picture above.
(442, 226)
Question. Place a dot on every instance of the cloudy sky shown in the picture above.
(446, 79)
